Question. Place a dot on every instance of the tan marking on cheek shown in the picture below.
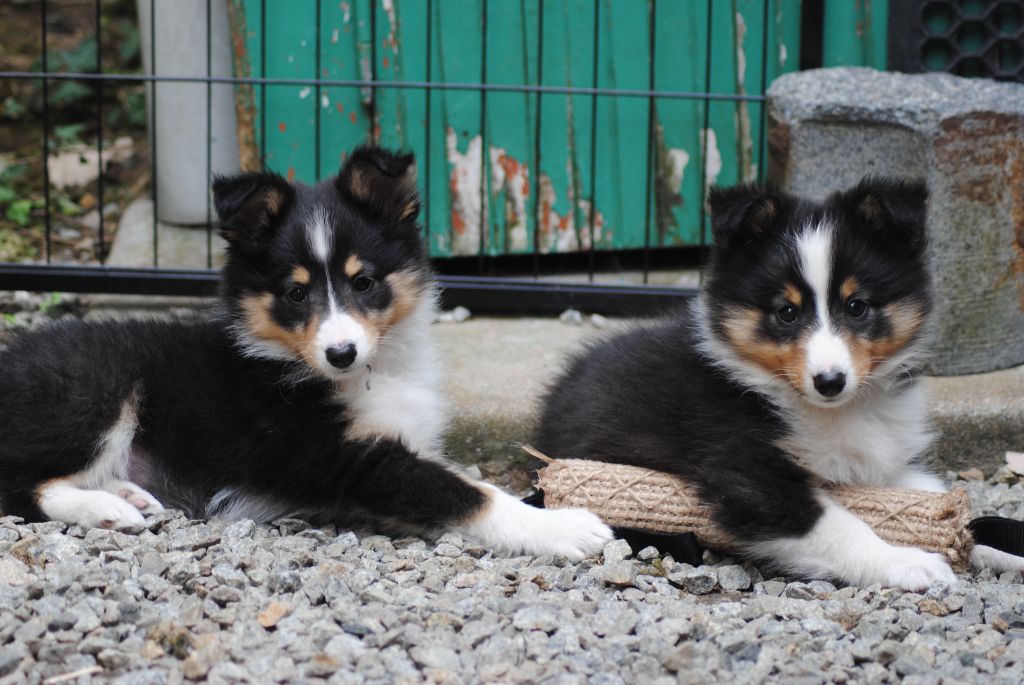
(353, 265)
(849, 288)
(785, 360)
(792, 293)
(301, 275)
(407, 288)
(906, 321)
(261, 325)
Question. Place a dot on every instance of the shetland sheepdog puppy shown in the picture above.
(311, 392)
(796, 366)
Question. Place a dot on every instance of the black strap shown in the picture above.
(684, 547)
(1006, 535)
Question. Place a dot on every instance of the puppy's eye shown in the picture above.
(362, 282)
(297, 294)
(787, 313)
(856, 308)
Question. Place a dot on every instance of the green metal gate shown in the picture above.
(612, 151)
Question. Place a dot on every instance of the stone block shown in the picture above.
(965, 137)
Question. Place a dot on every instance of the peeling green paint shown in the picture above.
(501, 168)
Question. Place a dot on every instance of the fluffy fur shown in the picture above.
(797, 365)
(311, 393)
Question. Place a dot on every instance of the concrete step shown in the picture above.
(497, 369)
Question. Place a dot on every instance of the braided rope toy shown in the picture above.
(643, 499)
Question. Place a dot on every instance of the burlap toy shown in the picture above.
(642, 499)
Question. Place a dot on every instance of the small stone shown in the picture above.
(64, 621)
(274, 612)
(11, 657)
(223, 595)
(698, 581)
(931, 606)
(113, 659)
(648, 554)
(771, 588)
(798, 591)
(457, 315)
(445, 549)
(821, 589)
(436, 656)
(32, 629)
(615, 551)
(285, 581)
(973, 473)
(153, 563)
(571, 317)
(621, 574)
(14, 573)
(1015, 462)
(733, 578)
(543, 618)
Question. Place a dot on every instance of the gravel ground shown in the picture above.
(190, 600)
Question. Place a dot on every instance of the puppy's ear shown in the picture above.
(891, 210)
(744, 214)
(381, 183)
(249, 206)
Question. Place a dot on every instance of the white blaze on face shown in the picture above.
(320, 235)
(337, 328)
(826, 351)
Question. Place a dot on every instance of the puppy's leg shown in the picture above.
(840, 545)
(388, 481)
(982, 556)
(506, 524)
(59, 500)
(134, 495)
(769, 504)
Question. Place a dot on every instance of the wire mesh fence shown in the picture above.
(608, 142)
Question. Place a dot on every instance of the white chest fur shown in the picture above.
(870, 441)
(396, 396)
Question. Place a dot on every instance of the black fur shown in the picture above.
(212, 417)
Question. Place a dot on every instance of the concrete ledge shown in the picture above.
(497, 369)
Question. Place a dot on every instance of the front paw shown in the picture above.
(572, 533)
(916, 570)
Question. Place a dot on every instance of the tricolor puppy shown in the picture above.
(797, 365)
(311, 393)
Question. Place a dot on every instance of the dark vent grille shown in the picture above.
(974, 38)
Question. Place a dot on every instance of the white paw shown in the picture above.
(134, 495)
(916, 570)
(100, 509)
(983, 556)
(572, 533)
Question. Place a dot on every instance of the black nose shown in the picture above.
(830, 384)
(341, 356)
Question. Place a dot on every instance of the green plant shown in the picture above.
(12, 108)
(20, 211)
(67, 134)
